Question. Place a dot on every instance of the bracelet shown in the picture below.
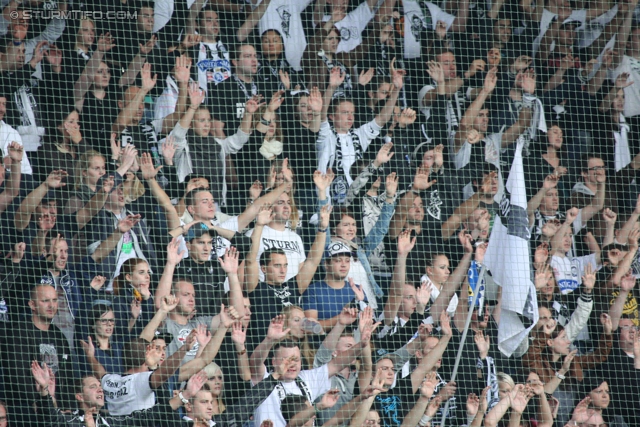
(425, 420)
(560, 376)
(242, 352)
(181, 396)
(315, 408)
(322, 230)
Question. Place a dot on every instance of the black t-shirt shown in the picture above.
(267, 302)
(226, 100)
(393, 405)
(96, 118)
(208, 282)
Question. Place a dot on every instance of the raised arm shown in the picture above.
(397, 79)
(134, 67)
(105, 44)
(551, 181)
(470, 115)
(251, 262)
(33, 199)
(427, 386)
(308, 269)
(12, 187)
(130, 109)
(173, 259)
(165, 305)
(252, 20)
(597, 203)
(336, 77)
(429, 361)
(456, 279)
(181, 74)
(275, 333)
(230, 266)
(109, 244)
(556, 240)
(405, 245)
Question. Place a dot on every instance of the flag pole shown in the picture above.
(463, 338)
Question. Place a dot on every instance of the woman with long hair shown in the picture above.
(132, 300)
(102, 327)
(294, 319)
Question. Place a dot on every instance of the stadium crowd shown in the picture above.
(273, 213)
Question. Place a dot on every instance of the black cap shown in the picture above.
(198, 231)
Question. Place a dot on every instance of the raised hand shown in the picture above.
(609, 217)
(589, 277)
(286, 364)
(16, 151)
(581, 412)
(607, 323)
(323, 180)
(348, 315)
(543, 276)
(136, 308)
(285, 79)
(622, 81)
(190, 40)
(628, 281)
(315, 100)
(473, 136)
(41, 375)
(255, 190)
(105, 42)
(483, 342)
(146, 48)
(365, 76)
(551, 181)
(238, 333)
(228, 316)
(168, 303)
(428, 385)
(436, 72)
(572, 214)
(476, 65)
(423, 295)
(87, 346)
(194, 384)
(526, 81)
(265, 215)
(196, 95)
(253, 104)
(336, 77)
(357, 289)
(473, 404)
(407, 116)
(465, 240)
(421, 179)
(276, 101)
(391, 185)
(445, 323)
(384, 155)
(203, 336)
(55, 179)
(405, 243)
(521, 63)
(491, 80)
(182, 69)
(549, 327)
(148, 82)
(325, 215)
(397, 76)
(519, 397)
(147, 167)
(329, 399)
(433, 406)
(276, 330)
(98, 282)
(566, 364)
(173, 256)
(231, 261)
(127, 223)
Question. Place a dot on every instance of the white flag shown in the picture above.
(508, 258)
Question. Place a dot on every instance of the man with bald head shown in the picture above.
(37, 338)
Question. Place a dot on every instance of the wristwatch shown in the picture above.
(181, 396)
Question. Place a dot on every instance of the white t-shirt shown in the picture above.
(289, 241)
(284, 17)
(317, 381)
(8, 135)
(352, 26)
(415, 20)
(569, 271)
(128, 393)
(631, 94)
(165, 104)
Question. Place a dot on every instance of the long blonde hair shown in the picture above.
(212, 369)
(306, 350)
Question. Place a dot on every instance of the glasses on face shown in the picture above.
(629, 328)
(105, 322)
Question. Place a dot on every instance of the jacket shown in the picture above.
(536, 360)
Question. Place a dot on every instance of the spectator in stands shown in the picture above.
(227, 99)
(12, 165)
(37, 340)
(108, 351)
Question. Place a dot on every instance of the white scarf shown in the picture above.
(271, 149)
(622, 154)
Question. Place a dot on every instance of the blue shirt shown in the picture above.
(327, 301)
